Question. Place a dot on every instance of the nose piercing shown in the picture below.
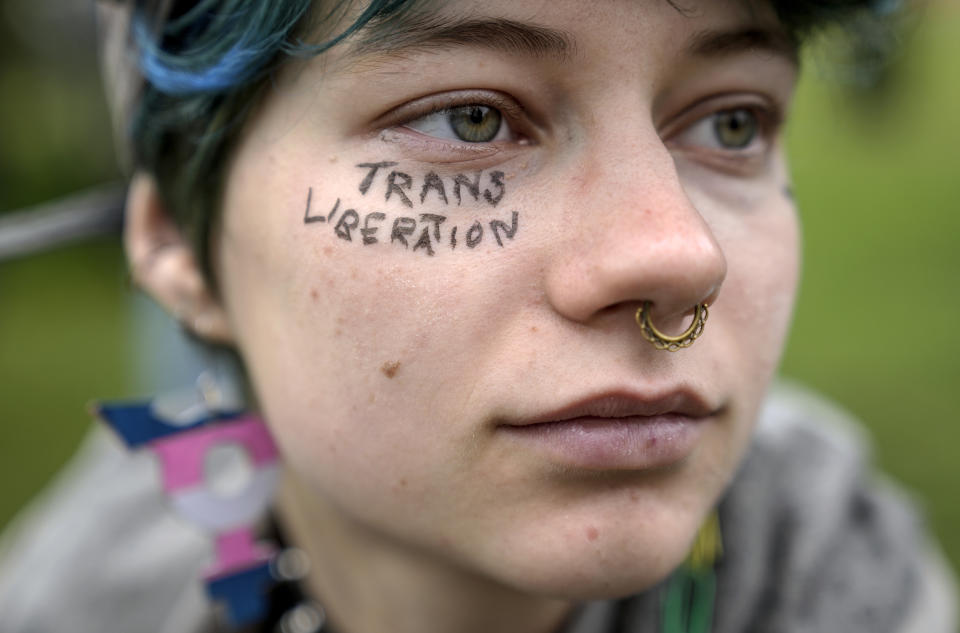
(664, 341)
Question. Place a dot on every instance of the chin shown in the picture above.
(600, 579)
(601, 561)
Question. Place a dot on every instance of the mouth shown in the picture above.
(617, 431)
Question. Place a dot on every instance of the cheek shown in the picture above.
(756, 303)
(748, 323)
(358, 348)
(763, 279)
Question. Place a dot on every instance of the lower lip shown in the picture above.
(631, 443)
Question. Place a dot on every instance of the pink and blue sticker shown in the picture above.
(188, 452)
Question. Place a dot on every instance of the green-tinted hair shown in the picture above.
(205, 64)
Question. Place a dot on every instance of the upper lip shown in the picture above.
(624, 404)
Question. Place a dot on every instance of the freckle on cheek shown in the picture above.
(390, 368)
(314, 294)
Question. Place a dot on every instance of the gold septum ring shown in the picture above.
(665, 341)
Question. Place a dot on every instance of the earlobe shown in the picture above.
(163, 264)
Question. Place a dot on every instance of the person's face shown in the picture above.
(419, 333)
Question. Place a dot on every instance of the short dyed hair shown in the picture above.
(206, 63)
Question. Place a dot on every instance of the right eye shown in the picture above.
(474, 123)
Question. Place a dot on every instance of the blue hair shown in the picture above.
(237, 65)
(204, 65)
(231, 41)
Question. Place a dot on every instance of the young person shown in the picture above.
(509, 282)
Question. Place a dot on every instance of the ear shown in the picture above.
(163, 264)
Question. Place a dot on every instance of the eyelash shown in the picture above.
(514, 115)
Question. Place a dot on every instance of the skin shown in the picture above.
(385, 374)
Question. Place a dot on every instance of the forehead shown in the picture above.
(568, 28)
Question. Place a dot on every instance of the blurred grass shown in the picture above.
(879, 189)
(63, 341)
(878, 186)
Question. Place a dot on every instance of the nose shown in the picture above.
(635, 237)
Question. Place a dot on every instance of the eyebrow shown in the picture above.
(709, 43)
(422, 32)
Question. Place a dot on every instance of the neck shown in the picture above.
(370, 583)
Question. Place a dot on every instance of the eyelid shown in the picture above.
(768, 112)
(513, 113)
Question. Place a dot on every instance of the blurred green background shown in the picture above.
(877, 177)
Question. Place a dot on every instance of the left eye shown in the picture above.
(468, 123)
(734, 129)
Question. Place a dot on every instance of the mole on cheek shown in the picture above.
(390, 368)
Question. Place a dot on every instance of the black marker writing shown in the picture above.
(309, 219)
(392, 186)
(402, 227)
(436, 220)
(429, 230)
(400, 184)
(424, 241)
(474, 234)
(426, 232)
(432, 181)
(348, 221)
(496, 178)
(473, 186)
(497, 225)
(368, 179)
(368, 232)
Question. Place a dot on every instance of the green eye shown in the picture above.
(735, 129)
(475, 123)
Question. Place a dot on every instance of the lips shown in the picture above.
(616, 430)
(625, 405)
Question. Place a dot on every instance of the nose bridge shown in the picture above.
(641, 240)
